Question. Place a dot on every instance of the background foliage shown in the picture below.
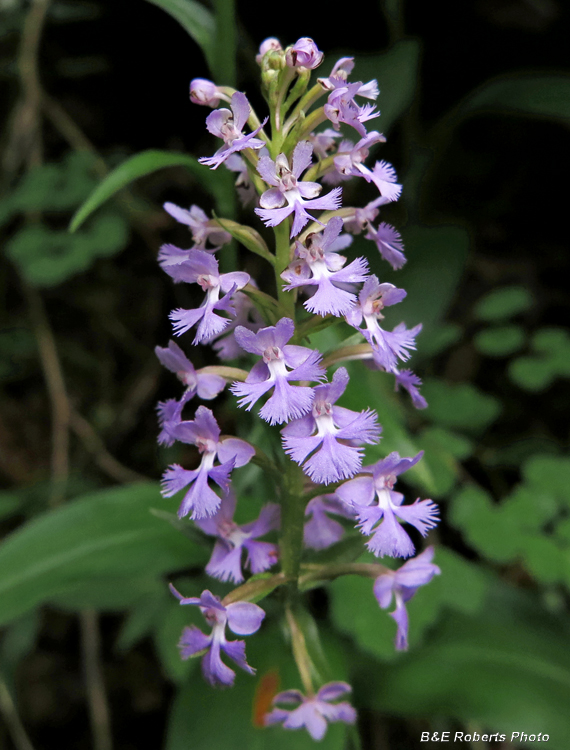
(99, 132)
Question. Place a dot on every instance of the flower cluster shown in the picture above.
(319, 472)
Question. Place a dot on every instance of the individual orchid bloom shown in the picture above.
(242, 618)
(349, 163)
(320, 530)
(410, 382)
(288, 401)
(203, 230)
(313, 711)
(246, 315)
(204, 433)
(382, 518)
(244, 186)
(290, 195)
(324, 142)
(232, 540)
(389, 243)
(202, 268)
(206, 385)
(268, 45)
(341, 108)
(330, 434)
(304, 54)
(228, 125)
(206, 93)
(387, 346)
(339, 77)
(318, 265)
(402, 584)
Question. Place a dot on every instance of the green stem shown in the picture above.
(300, 652)
(292, 523)
(283, 258)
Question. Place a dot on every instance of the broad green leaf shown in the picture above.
(442, 448)
(531, 373)
(197, 20)
(142, 617)
(108, 534)
(536, 96)
(459, 405)
(505, 667)
(109, 592)
(550, 340)
(10, 503)
(138, 166)
(397, 73)
(549, 474)
(502, 304)
(204, 718)
(47, 257)
(500, 342)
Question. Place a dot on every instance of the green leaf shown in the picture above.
(549, 474)
(439, 338)
(536, 96)
(197, 20)
(397, 73)
(506, 667)
(504, 303)
(500, 342)
(47, 257)
(138, 166)
(460, 405)
(440, 448)
(531, 373)
(108, 534)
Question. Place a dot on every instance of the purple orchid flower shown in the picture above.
(341, 108)
(402, 584)
(304, 54)
(387, 346)
(202, 268)
(319, 266)
(232, 540)
(290, 195)
(242, 618)
(206, 385)
(203, 229)
(339, 77)
(288, 401)
(349, 163)
(169, 416)
(320, 530)
(313, 711)
(339, 431)
(204, 433)
(381, 519)
(228, 125)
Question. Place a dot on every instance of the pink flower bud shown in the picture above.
(304, 54)
(271, 43)
(204, 92)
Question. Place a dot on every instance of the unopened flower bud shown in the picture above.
(268, 44)
(304, 54)
(204, 92)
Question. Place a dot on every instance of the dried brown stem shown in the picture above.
(97, 698)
